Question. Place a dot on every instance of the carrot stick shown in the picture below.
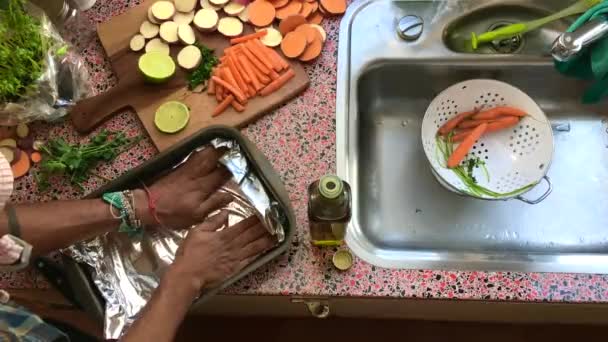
(249, 70)
(240, 68)
(499, 111)
(252, 90)
(254, 61)
(463, 148)
(259, 34)
(273, 75)
(278, 83)
(211, 88)
(284, 64)
(239, 96)
(36, 157)
(223, 105)
(258, 73)
(259, 54)
(453, 122)
(493, 126)
(237, 106)
(276, 64)
(229, 78)
(235, 72)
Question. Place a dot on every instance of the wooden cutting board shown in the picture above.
(132, 92)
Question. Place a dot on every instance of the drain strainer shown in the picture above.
(508, 45)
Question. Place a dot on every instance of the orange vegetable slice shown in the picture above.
(306, 9)
(313, 50)
(290, 23)
(36, 157)
(310, 32)
(293, 44)
(279, 3)
(334, 7)
(315, 7)
(261, 13)
(21, 167)
(316, 18)
(293, 7)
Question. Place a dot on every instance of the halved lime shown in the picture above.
(157, 67)
(171, 117)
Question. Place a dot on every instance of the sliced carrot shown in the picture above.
(235, 73)
(241, 69)
(293, 44)
(22, 166)
(284, 64)
(254, 61)
(249, 70)
(261, 13)
(493, 126)
(293, 7)
(259, 54)
(36, 157)
(261, 76)
(313, 50)
(463, 148)
(496, 112)
(239, 96)
(278, 83)
(453, 122)
(291, 22)
(279, 3)
(211, 88)
(237, 106)
(316, 18)
(222, 106)
(259, 34)
(229, 78)
(276, 64)
(219, 90)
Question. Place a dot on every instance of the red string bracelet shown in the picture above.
(152, 203)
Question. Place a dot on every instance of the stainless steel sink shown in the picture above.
(402, 218)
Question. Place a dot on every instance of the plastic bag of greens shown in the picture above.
(40, 77)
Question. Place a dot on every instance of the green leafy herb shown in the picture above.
(22, 50)
(203, 72)
(76, 161)
(465, 172)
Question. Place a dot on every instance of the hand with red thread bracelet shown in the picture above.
(187, 195)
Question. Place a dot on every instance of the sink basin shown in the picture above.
(402, 218)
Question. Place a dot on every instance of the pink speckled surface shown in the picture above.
(298, 139)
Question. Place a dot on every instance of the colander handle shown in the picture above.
(542, 197)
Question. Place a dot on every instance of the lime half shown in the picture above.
(156, 66)
(171, 117)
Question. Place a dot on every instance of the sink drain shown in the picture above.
(509, 45)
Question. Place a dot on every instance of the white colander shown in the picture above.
(516, 159)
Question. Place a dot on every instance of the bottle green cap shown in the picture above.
(331, 186)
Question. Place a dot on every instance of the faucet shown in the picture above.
(569, 44)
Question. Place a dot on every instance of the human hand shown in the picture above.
(208, 257)
(188, 194)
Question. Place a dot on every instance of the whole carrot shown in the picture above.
(451, 124)
(493, 126)
(222, 106)
(473, 123)
(497, 112)
(465, 146)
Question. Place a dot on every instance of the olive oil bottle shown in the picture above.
(329, 210)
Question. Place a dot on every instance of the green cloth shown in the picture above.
(591, 64)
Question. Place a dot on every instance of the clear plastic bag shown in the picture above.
(63, 82)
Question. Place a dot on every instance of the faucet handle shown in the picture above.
(569, 44)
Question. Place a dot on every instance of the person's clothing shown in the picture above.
(18, 324)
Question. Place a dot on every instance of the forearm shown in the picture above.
(53, 225)
(163, 314)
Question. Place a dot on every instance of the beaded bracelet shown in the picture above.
(128, 223)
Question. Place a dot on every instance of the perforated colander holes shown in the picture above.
(445, 111)
(479, 150)
(489, 100)
(524, 140)
(511, 181)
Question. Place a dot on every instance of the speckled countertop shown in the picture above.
(299, 139)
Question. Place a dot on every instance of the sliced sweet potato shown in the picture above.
(310, 32)
(148, 30)
(306, 9)
(315, 7)
(334, 7)
(206, 20)
(185, 6)
(291, 23)
(137, 43)
(279, 3)
(293, 44)
(189, 57)
(219, 2)
(313, 49)
(168, 32)
(316, 18)
(272, 38)
(151, 17)
(21, 167)
(321, 31)
(293, 7)
(244, 16)
(157, 44)
(261, 13)
(163, 10)
(205, 4)
(186, 35)
(230, 27)
(8, 153)
(234, 8)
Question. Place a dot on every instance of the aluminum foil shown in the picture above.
(127, 270)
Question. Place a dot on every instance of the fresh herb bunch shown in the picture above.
(76, 161)
(22, 49)
(203, 72)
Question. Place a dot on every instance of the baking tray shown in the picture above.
(79, 275)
